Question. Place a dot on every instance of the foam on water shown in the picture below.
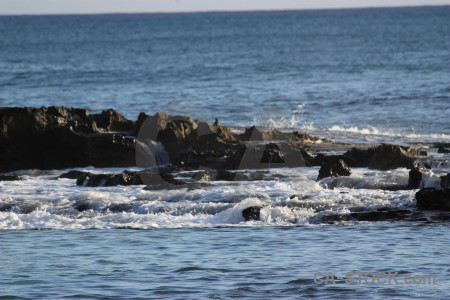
(296, 198)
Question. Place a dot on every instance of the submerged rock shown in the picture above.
(334, 168)
(148, 177)
(374, 216)
(252, 213)
(11, 178)
(74, 174)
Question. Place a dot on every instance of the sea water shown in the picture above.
(355, 76)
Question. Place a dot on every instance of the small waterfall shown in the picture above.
(161, 157)
(151, 154)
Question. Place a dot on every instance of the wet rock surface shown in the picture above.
(252, 213)
(11, 178)
(61, 137)
(435, 198)
(334, 168)
(382, 157)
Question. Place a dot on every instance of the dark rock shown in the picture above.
(224, 175)
(433, 199)
(177, 184)
(445, 183)
(111, 120)
(82, 206)
(382, 157)
(252, 213)
(254, 134)
(358, 158)
(73, 174)
(121, 207)
(11, 178)
(415, 178)
(58, 137)
(98, 180)
(83, 178)
(148, 177)
(374, 216)
(386, 157)
(188, 142)
(335, 218)
(334, 168)
(4, 207)
(272, 154)
(251, 134)
(267, 156)
(444, 149)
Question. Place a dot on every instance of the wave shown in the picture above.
(371, 130)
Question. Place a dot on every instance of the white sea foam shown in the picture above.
(48, 203)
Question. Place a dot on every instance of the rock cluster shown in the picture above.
(61, 137)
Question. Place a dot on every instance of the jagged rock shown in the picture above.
(433, 199)
(254, 134)
(386, 157)
(252, 213)
(334, 168)
(188, 142)
(382, 157)
(111, 120)
(251, 134)
(11, 178)
(58, 137)
(415, 178)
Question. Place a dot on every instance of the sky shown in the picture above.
(8, 7)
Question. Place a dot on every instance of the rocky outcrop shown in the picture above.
(381, 157)
(334, 168)
(60, 137)
(435, 199)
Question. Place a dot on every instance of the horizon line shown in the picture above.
(221, 11)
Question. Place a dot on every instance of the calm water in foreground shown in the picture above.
(224, 263)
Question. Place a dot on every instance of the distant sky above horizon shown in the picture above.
(12, 7)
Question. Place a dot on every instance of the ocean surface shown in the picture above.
(362, 76)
